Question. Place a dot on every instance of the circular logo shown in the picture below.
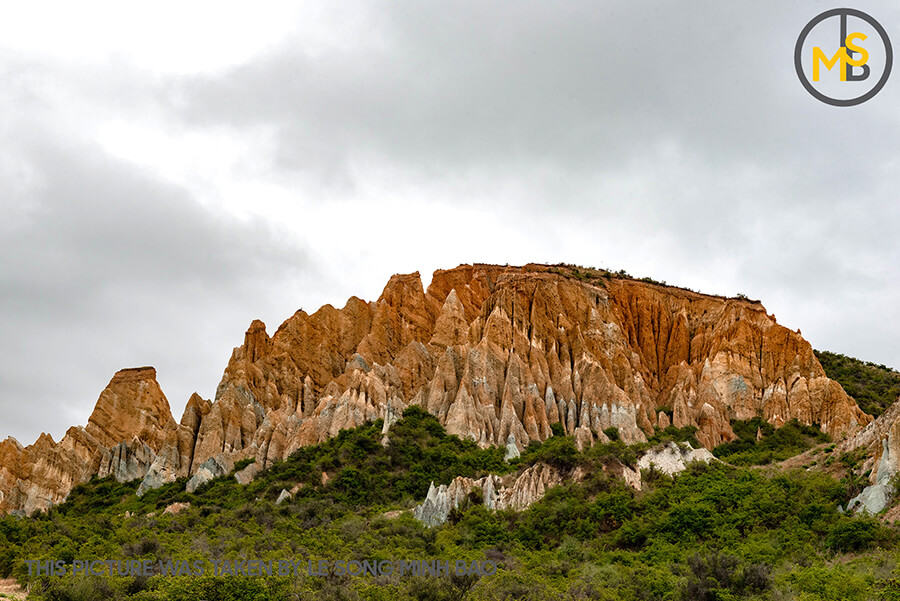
(849, 52)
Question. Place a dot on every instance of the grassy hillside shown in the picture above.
(760, 443)
(712, 532)
(875, 387)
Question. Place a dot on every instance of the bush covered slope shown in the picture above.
(875, 387)
(712, 532)
(760, 443)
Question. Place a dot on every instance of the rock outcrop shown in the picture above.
(496, 353)
(176, 508)
(881, 442)
(125, 431)
(174, 459)
(876, 497)
(672, 458)
(495, 492)
(501, 353)
(206, 471)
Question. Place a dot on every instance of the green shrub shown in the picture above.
(223, 588)
(838, 583)
(852, 534)
(673, 434)
(238, 466)
(716, 576)
(558, 451)
(712, 531)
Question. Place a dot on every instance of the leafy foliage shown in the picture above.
(774, 445)
(712, 532)
(875, 387)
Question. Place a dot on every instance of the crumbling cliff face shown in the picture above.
(498, 354)
(881, 442)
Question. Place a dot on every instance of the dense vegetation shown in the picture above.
(713, 532)
(875, 387)
(772, 445)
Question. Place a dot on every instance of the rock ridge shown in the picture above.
(498, 354)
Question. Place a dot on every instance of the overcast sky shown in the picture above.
(170, 174)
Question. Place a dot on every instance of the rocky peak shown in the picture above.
(43, 442)
(194, 411)
(497, 353)
(131, 406)
(129, 424)
(134, 374)
(256, 341)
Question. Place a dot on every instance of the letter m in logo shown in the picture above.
(845, 57)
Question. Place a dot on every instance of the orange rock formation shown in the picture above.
(498, 354)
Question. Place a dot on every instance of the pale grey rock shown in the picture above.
(877, 497)
(209, 469)
(248, 474)
(153, 479)
(435, 508)
(570, 419)
(284, 496)
(672, 458)
(489, 493)
(393, 411)
(509, 492)
(872, 500)
(126, 461)
(512, 451)
(161, 471)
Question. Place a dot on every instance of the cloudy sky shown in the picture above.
(169, 174)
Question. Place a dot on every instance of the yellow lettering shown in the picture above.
(819, 55)
(862, 60)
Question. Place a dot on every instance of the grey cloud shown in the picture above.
(564, 97)
(679, 124)
(670, 136)
(112, 267)
(468, 83)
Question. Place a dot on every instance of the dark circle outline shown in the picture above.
(888, 55)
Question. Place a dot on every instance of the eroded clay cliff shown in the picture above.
(123, 436)
(498, 354)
